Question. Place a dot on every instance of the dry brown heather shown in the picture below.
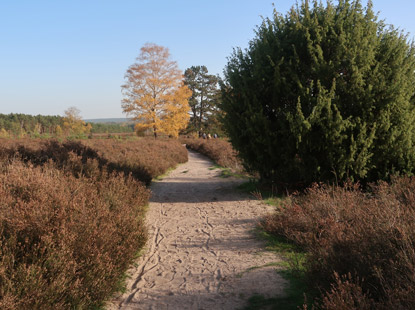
(69, 228)
(148, 156)
(145, 159)
(218, 150)
(360, 244)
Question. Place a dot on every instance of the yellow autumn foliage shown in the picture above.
(154, 93)
(4, 133)
(73, 123)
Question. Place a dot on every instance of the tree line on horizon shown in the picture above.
(20, 125)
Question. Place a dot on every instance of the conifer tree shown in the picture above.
(324, 93)
(205, 96)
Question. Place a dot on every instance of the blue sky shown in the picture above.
(60, 53)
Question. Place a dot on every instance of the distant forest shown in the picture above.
(40, 125)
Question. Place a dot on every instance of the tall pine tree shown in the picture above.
(325, 92)
(205, 97)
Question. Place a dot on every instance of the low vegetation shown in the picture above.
(71, 217)
(219, 150)
(360, 245)
(146, 158)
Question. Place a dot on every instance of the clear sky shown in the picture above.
(60, 53)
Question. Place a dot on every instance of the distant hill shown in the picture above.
(108, 120)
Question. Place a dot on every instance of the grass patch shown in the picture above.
(216, 166)
(262, 192)
(279, 245)
(276, 264)
(292, 299)
(161, 177)
(273, 201)
(228, 172)
(292, 267)
(292, 271)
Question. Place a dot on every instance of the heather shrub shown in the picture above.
(219, 150)
(65, 240)
(71, 217)
(361, 235)
(146, 158)
(70, 156)
(346, 294)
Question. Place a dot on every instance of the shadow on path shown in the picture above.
(193, 192)
(196, 181)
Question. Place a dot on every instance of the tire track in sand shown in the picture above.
(201, 253)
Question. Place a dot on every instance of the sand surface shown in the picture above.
(201, 252)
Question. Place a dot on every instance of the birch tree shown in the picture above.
(154, 93)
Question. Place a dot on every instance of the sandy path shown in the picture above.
(201, 252)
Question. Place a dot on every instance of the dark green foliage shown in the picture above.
(46, 125)
(111, 127)
(204, 101)
(17, 124)
(324, 93)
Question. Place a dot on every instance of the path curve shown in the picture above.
(201, 253)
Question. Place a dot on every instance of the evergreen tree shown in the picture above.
(205, 97)
(325, 92)
(22, 124)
